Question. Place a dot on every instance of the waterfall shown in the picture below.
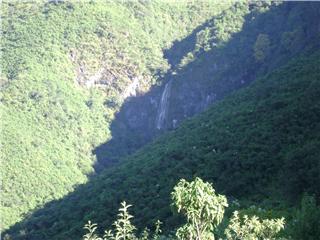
(164, 103)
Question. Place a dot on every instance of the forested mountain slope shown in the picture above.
(85, 84)
(260, 144)
(224, 54)
(67, 66)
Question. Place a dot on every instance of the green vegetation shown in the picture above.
(69, 67)
(204, 211)
(306, 224)
(124, 230)
(253, 228)
(55, 105)
(241, 144)
(214, 60)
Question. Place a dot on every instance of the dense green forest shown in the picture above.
(78, 86)
(241, 144)
(51, 120)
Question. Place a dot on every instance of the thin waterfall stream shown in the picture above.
(164, 103)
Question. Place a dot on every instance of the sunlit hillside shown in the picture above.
(111, 101)
(67, 67)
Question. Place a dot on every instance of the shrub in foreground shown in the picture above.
(204, 211)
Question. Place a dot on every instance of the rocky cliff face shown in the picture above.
(212, 73)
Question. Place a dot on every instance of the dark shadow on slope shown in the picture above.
(180, 49)
(212, 76)
(135, 123)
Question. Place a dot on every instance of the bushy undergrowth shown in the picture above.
(203, 210)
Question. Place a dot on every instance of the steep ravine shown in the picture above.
(248, 145)
(213, 72)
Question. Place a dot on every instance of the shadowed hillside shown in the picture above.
(216, 59)
(249, 145)
(252, 70)
(66, 69)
